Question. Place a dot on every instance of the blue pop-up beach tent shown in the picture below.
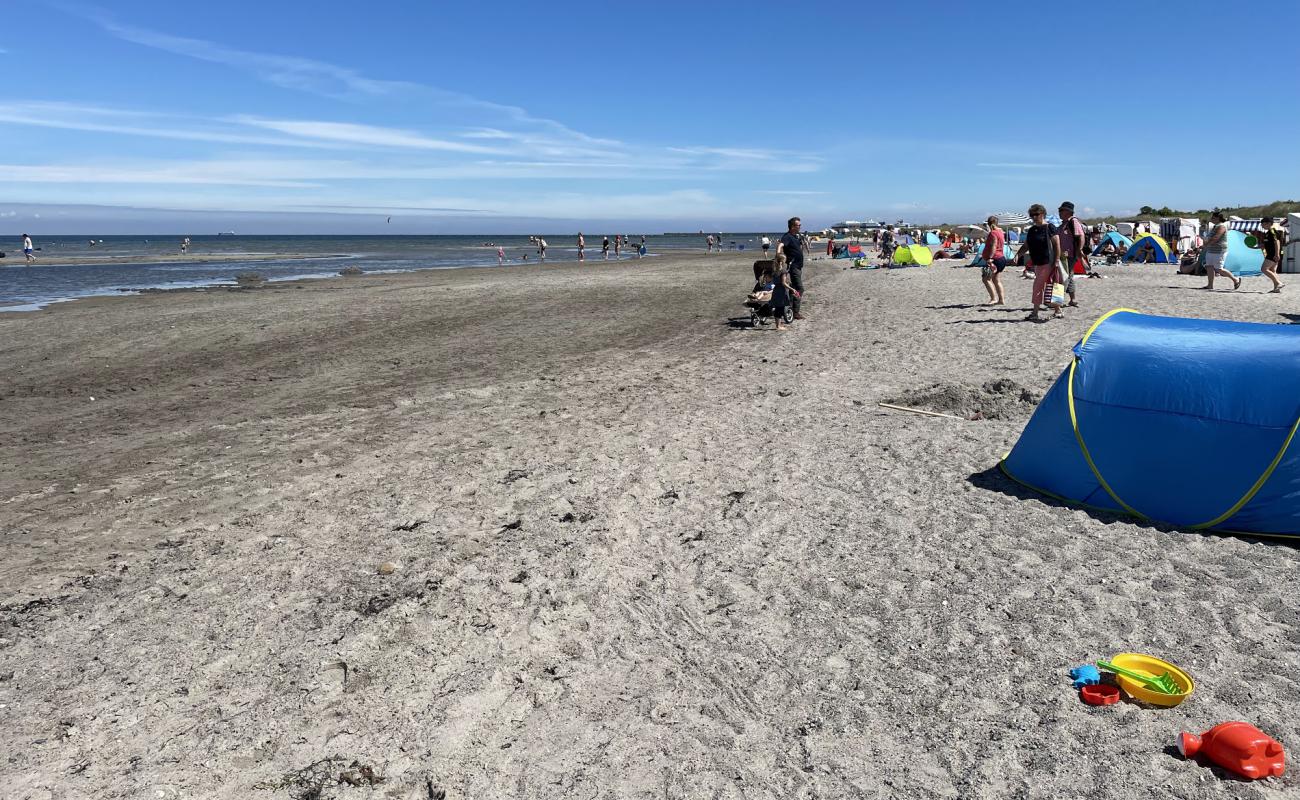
(1122, 243)
(1189, 422)
(1007, 253)
(1242, 260)
(1160, 252)
(930, 238)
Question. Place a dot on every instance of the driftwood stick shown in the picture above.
(921, 411)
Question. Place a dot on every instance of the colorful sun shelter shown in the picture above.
(1149, 401)
(1242, 260)
(1160, 252)
(930, 238)
(1122, 243)
(912, 255)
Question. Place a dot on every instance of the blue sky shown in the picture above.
(514, 117)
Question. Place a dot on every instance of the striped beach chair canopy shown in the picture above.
(1017, 218)
(1245, 225)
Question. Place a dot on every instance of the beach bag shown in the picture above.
(1058, 294)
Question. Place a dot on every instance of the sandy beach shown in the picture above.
(578, 531)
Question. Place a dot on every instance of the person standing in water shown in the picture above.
(582, 247)
(604, 248)
(617, 246)
(27, 249)
(541, 248)
(501, 255)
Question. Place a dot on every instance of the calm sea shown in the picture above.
(25, 287)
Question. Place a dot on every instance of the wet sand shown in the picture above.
(637, 549)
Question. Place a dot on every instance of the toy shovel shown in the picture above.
(1165, 684)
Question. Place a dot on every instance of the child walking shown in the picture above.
(780, 291)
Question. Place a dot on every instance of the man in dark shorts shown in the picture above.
(792, 248)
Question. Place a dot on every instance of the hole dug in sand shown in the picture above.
(1001, 398)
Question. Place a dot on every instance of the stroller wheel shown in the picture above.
(788, 314)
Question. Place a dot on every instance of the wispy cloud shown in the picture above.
(99, 119)
(226, 175)
(291, 73)
(1035, 165)
(788, 192)
(356, 134)
(507, 127)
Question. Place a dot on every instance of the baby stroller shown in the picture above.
(759, 301)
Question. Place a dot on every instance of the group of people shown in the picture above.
(620, 243)
(1053, 254)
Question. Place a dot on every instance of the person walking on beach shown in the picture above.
(1216, 251)
(640, 251)
(767, 245)
(994, 262)
(27, 249)
(790, 247)
(616, 246)
(582, 247)
(501, 255)
(1074, 241)
(781, 291)
(1042, 244)
(1271, 243)
(887, 243)
(709, 242)
(604, 248)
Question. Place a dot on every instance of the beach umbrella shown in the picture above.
(1008, 218)
(973, 231)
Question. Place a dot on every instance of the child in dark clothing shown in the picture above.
(780, 291)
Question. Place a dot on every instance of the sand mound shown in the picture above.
(1001, 398)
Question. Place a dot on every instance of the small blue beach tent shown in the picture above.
(1242, 260)
(1163, 255)
(1189, 422)
(1122, 243)
(1007, 253)
(930, 238)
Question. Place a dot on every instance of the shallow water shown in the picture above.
(26, 287)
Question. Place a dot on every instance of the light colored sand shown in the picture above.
(640, 552)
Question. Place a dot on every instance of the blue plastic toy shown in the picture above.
(1086, 675)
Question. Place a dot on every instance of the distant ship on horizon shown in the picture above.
(225, 233)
